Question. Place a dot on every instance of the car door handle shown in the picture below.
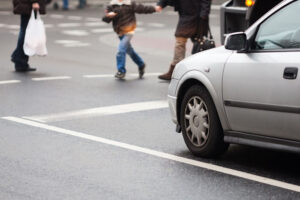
(290, 73)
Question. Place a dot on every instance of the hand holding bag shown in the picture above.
(201, 42)
(35, 36)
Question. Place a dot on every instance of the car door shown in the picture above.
(261, 88)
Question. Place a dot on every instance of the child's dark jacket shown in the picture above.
(125, 20)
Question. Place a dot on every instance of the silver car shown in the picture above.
(246, 92)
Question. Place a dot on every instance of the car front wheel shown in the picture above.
(201, 128)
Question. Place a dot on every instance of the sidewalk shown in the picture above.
(7, 4)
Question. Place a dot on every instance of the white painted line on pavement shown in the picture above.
(66, 25)
(111, 75)
(103, 30)
(76, 32)
(101, 111)
(92, 19)
(9, 82)
(5, 13)
(13, 26)
(2, 25)
(208, 166)
(80, 44)
(74, 18)
(54, 16)
(156, 25)
(94, 24)
(51, 78)
(49, 25)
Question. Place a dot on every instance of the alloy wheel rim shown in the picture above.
(196, 119)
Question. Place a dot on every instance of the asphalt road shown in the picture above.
(71, 131)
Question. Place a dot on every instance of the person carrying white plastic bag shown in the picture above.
(35, 36)
(24, 9)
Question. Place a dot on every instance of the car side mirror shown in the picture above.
(236, 41)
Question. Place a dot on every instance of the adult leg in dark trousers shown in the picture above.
(18, 57)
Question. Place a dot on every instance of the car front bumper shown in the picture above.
(172, 99)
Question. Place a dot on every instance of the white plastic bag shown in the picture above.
(35, 37)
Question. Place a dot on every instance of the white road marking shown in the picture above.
(13, 26)
(91, 19)
(100, 111)
(94, 24)
(72, 43)
(74, 18)
(156, 25)
(2, 25)
(103, 30)
(81, 44)
(5, 13)
(76, 32)
(51, 78)
(9, 82)
(66, 41)
(57, 16)
(49, 25)
(66, 25)
(138, 29)
(111, 75)
(159, 154)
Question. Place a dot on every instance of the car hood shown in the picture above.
(203, 61)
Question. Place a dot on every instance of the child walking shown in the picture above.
(122, 15)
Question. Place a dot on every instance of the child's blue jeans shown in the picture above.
(125, 47)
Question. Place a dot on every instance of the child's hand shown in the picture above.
(111, 14)
(158, 8)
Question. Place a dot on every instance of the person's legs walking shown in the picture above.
(179, 54)
(121, 55)
(65, 4)
(81, 4)
(18, 57)
(137, 59)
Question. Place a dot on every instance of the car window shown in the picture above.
(281, 30)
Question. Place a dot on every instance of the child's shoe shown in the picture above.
(120, 75)
(142, 71)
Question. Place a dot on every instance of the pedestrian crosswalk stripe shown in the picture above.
(54, 16)
(156, 25)
(76, 32)
(66, 25)
(92, 19)
(100, 111)
(9, 82)
(5, 13)
(13, 26)
(103, 30)
(74, 17)
(51, 78)
(49, 25)
(159, 154)
(94, 24)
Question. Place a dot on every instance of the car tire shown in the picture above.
(201, 127)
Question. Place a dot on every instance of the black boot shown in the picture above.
(167, 76)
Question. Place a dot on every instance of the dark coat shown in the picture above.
(24, 7)
(125, 20)
(190, 14)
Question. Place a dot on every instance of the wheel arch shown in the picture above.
(198, 78)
